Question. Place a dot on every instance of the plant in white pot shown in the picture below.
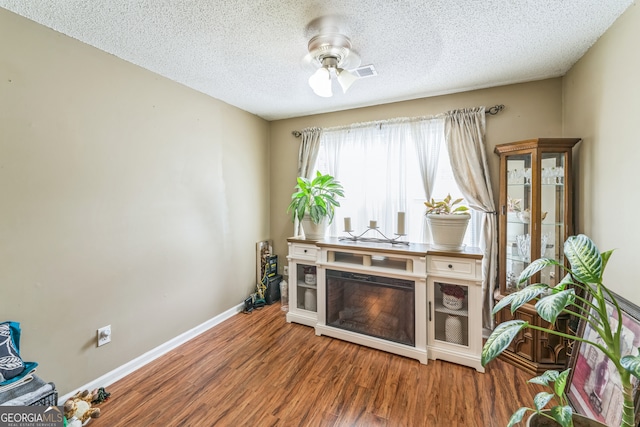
(314, 203)
(581, 293)
(448, 223)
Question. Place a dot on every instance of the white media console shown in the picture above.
(404, 299)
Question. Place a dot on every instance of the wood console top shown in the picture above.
(413, 249)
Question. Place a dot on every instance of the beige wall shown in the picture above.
(531, 110)
(602, 105)
(126, 199)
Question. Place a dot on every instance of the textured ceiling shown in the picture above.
(249, 53)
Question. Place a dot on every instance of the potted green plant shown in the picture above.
(314, 202)
(560, 414)
(447, 222)
(580, 293)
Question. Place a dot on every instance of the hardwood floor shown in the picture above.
(257, 370)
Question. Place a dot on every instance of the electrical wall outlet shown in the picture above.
(104, 335)
(285, 270)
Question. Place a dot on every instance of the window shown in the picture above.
(379, 168)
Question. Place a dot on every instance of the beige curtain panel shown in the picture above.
(465, 141)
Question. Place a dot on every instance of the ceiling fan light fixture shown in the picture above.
(320, 82)
(332, 52)
(345, 78)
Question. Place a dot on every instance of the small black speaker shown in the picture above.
(272, 294)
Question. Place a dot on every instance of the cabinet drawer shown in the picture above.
(304, 252)
(452, 266)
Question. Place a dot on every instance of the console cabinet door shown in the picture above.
(303, 283)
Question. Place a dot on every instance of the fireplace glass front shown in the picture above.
(377, 306)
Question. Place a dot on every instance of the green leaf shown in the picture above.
(534, 267)
(504, 302)
(566, 281)
(563, 415)
(546, 378)
(303, 184)
(550, 307)
(336, 191)
(525, 295)
(500, 339)
(561, 382)
(585, 259)
(319, 201)
(517, 416)
(316, 212)
(605, 258)
(541, 400)
(330, 200)
(631, 364)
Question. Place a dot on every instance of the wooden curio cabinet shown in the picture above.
(535, 217)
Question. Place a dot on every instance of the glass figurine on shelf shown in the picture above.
(512, 280)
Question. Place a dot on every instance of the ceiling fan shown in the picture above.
(332, 53)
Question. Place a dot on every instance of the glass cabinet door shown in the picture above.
(451, 313)
(534, 230)
(552, 216)
(518, 228)
(306, 287)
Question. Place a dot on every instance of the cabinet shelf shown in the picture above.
(463, 312)
(544, 224)
(512, 184)
(517, 258)
(306, 285)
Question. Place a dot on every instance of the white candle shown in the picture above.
(400, 223)
(373, 224)
(347, 224)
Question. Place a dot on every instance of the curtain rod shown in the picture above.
(492, 111)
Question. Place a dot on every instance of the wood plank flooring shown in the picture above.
(257, 370)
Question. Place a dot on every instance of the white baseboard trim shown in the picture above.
(137, 363)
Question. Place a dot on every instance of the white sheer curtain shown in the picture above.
(464, 133)
(428, 137)
(379, 164)
(307, 157)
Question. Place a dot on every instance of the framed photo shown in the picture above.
(594, 384)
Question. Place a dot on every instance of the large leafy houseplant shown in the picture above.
(580, 293)
(315, 197)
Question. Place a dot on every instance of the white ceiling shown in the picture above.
(249, 53)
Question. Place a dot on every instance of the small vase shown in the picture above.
(453, 330)
(310, 299)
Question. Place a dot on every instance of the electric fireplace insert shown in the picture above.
(378, 306)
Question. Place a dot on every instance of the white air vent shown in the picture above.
(365, 71)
